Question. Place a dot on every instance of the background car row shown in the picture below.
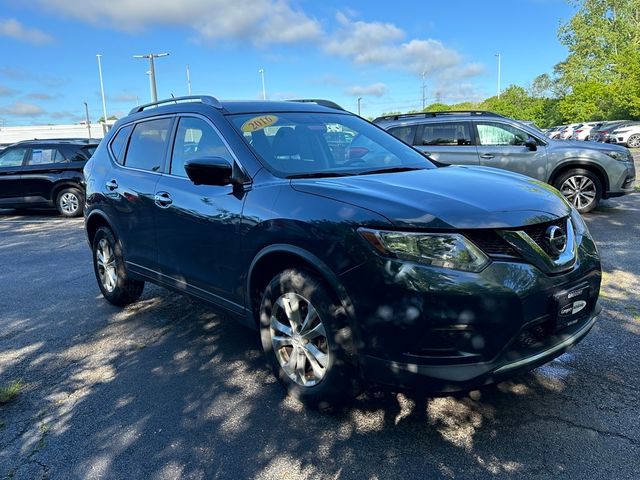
(623, 132)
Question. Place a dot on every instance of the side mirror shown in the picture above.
(209, 171)
(531, 144)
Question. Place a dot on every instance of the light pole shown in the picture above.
(264, 91)
(86, 112)
(152, 72)
(188, 81)
(359, 100)
(498, 55)
(104, 104)
(424, 87)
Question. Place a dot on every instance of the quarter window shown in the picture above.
(147, 144)
(493, 134)
(446, 134)
(119, 142)
(12, 157)
(196, 138)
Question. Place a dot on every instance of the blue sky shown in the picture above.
(336, 50)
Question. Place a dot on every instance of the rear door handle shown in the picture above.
(487, 155)
(111, 185)
(163, 199)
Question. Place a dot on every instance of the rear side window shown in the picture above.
(147, 144)
(119, 142)
(406, 134)
(42, 156)
(446, 134)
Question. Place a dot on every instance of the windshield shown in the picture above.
(297, 144)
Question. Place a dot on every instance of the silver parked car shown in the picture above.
(584, 172)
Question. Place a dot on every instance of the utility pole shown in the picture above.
(264, 91)
(498, 55)
(86, 112)
(359, 100)
(188, 81)
(424, 89)
(152, 72)
(104, 104)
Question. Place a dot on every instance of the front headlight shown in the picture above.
(620, 156)
(446, 250)
(579, 225)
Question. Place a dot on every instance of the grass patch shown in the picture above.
(633, 310)
(11, 391)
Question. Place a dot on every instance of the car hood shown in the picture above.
(444, 198)
(585, 146)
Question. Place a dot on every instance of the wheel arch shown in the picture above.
(585, 165)
(94, 221)
(61, 185)
(278, 257)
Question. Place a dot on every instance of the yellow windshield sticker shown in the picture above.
(258, 123)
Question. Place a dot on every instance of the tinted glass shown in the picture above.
(12, 157)
(494, 134)
(196, 138)
(43, 156)
(119, 142)
(406, 134)
(294, 143)
(446, 133)
(147, 144)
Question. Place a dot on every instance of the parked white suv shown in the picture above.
(582, 131)
(627, 135)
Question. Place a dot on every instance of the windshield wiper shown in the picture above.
(390, 170)
(320, 175)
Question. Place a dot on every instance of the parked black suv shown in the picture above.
(369, 265)
(45, 173)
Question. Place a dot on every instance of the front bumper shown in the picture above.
(456, 377)
(445, 330)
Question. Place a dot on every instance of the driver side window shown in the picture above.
(494, 134)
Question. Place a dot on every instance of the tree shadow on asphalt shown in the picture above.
(167, 388)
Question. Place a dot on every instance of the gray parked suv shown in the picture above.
(583, 172)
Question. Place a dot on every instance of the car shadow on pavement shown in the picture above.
(168, 389)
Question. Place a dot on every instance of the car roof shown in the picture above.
(421, 117)
(232, 107)
(60, 141)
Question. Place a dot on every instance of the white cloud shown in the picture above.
(10, 27)
(7, 91)
(262, 22)
(21, 109)
(374, 90)
(42, 96)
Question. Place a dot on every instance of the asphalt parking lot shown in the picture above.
(169, 389)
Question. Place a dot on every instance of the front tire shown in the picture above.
(582, 188)
(108, 264)
(306, 339)
(70, 202)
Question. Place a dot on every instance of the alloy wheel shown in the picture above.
(634, 141)
(69, 203)
(299, 339)
(106, 265)
(579, 190)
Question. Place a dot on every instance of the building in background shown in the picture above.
(9, 135)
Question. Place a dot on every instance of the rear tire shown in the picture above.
(108, 264)
(70, 202)
(307, 340)
(582, 188)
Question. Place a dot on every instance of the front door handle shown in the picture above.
(163, 199)
(111, 185)
(487, 155)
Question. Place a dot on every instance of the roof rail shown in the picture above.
(206, 99)
(483, 113)
(319, 101)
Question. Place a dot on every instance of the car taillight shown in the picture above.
(578, 131)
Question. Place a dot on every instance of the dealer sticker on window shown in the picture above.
(258, 123)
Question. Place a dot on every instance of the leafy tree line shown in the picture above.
(599, 79)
